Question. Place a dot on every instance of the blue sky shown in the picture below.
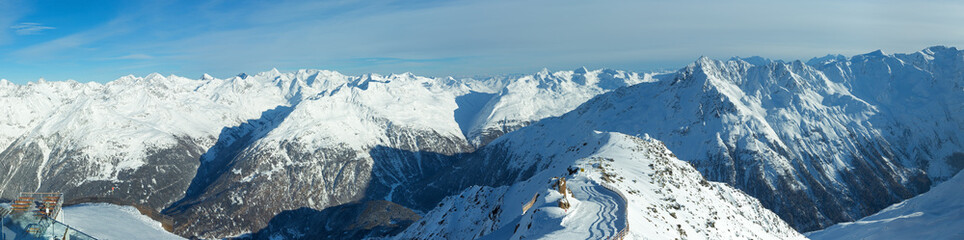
(102, 40)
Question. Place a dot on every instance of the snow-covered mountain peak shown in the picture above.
(737, 77)
(706, 72)
(151, 80)
(581, 70)
(6, 84)
(931, 53)
(755, 60)
(404, 75)
(544, 73)
(875, 53)
(830, 58)
(871, 57)
(155, 76)
(528, 98)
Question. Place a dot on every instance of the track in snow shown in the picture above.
(600, 210)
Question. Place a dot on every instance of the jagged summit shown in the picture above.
(580, 70)
(830, 58)
(876, 53)
(755, 60)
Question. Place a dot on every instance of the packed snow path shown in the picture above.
(602, 211)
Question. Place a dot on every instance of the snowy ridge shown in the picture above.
(123, 118)
(936, 214)
(545, 94)
(667, 198)
(87, 140)
(921, 92)
(148, 111)
(798, 137)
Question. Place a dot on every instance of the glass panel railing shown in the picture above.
(31, 225)
(58, 230)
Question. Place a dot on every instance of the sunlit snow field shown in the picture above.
(107, 221)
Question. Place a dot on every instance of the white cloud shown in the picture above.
(30, 28)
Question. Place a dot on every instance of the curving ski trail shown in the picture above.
(600, 212)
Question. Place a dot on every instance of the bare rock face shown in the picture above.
(133, 141)
(349, 221)
(250, 176)
(154, 187)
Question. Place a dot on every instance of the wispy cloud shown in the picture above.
(136, 56)
(10, 12)
(30, 28)
(78, 46)
(465, 37)
(381, 60)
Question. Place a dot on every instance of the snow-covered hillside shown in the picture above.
(936, 214)
(622, 182)
(545, 94)
(134, 139)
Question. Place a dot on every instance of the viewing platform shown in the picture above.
(36, 215)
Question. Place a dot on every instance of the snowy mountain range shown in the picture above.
(321, 125)
(801, 138)
(831, 140)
